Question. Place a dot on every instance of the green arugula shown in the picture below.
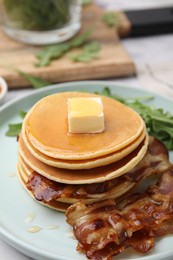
(92, 46)
(22, 114)
(90, 52)
(49, 53)
(14, 129)
(80, 40)
(36, 82)
(111, 19)
(158, 122)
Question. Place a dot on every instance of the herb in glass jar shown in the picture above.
(40, 22)
(37, 15)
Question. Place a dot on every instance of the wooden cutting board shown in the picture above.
(113, 60)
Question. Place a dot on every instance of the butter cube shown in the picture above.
(85, 115)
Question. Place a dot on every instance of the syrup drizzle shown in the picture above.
(12, 174)
(30, 217)
(35, 229)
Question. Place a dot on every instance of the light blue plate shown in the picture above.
(16, 204)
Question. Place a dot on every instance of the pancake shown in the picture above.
(88, 163)
(46, 128)
(116, 191)
(93, 175)
(59, 169)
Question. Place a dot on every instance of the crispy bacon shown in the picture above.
(154, 162)
(105, 229)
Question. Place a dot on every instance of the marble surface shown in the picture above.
(153, 57)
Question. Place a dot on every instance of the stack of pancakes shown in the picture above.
(76, 161)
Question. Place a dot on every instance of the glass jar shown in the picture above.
(40, 22)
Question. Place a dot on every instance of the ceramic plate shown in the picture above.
(3, 89)
(20, 213)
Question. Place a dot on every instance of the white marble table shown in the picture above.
(153, 57)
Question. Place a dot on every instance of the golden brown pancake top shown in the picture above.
(46, 126)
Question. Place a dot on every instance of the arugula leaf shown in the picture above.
(84, 57)
(90, 52)
(13, 129)
(22, 114)
(49, 53)
(111, 19)
(36, 82)
(158, 122)
(81, 39)
(92, 46)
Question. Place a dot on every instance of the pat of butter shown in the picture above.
(85, 115)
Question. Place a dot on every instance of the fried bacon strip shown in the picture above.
(154, 162)
(105, 229)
